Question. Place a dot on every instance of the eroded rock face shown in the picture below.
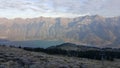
(18, 58)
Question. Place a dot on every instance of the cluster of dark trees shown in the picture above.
(90, 54)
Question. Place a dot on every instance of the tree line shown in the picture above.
(90, 54)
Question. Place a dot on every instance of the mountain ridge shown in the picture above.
(92, 30)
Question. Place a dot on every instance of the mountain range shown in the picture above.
(88, 30)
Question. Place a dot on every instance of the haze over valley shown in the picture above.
(59, 34)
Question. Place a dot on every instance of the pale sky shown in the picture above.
(58, 8)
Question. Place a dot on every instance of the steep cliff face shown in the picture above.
(93, 30)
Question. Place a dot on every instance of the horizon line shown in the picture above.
(57, 17)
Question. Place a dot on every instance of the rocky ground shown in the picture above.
(19, 58)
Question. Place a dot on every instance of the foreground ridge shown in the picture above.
(18, 58)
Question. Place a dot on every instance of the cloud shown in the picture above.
(59, 7)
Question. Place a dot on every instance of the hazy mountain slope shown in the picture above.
(92, 30)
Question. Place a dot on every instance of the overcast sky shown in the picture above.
(58, 8)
